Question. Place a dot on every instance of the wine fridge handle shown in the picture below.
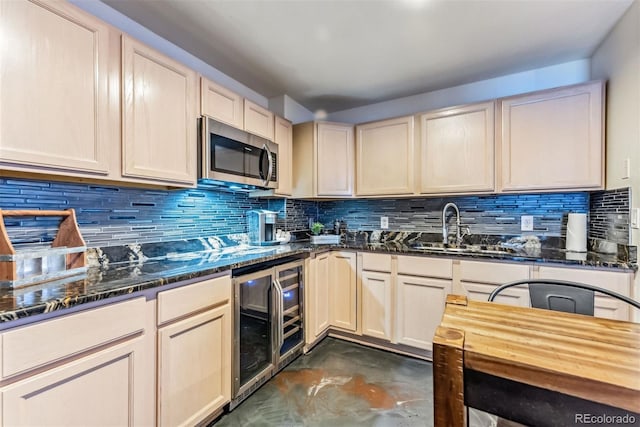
(280, 323)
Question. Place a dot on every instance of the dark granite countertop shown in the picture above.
(124, 270)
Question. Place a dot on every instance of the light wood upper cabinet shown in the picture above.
(334, 152)
(457, 149)
(54, 107)
(258, 120)
(342, 289)
(284, 139)
(158, 117)
(552, 139)
(323, 160)
(221, 104)
(385, 157)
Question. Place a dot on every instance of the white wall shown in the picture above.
(617, 59)
(541, 78)
(290, 109)
(129, 26)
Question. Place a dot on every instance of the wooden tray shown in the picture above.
(29, 264)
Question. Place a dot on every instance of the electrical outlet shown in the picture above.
(384, 222)
(526, 223)
(635, 218)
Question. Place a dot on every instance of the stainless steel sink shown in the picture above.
(440, 249)
(457, 250)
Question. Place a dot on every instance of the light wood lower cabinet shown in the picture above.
(100, 389)
(158, 116)
(342, 289)
(419, 309)
(317, 311)
(478, 279)
(404, 300)
(604, 306)
(194, 368)
(54, 73)
(65, 375)
(376, 304)
(194, 352)
(481, 291)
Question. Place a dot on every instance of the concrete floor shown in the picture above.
(342, 384)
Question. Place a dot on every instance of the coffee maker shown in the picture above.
(261, 225)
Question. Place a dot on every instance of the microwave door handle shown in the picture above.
(267, 177)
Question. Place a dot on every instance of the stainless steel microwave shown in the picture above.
(235, 156)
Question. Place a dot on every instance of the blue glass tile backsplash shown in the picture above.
(494, 214)
(110, 215)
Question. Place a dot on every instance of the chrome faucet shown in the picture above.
(445, 230)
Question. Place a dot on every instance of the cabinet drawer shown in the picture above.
(492, 272)
(31, 346)
(188, 299)
(376, 262)
(427, 267)
(619, 282)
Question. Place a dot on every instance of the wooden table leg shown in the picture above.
(448, 378)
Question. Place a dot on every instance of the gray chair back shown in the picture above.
(561, 295)
(561, 298)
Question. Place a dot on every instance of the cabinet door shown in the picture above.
(194, 367)
(158, 118)
(343, 290)
(513, 296)
(420, 304)
(457, 149)
(258, 120)
(54, 106)
(221, 104)
(376, 304)
(283, 137)
(604, 306)
(334, 160)
(553, 139)
(385, 157)
(101, 389)
(320, 295)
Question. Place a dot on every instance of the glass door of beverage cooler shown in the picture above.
(254, 307)
(288, 326)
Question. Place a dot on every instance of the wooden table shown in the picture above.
(533, 366)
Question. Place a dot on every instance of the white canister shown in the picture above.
(577, 232)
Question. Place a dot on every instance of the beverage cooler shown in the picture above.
(268, 322)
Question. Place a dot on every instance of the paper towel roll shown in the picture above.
(577, 232)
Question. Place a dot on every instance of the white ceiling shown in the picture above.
(333, 55)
